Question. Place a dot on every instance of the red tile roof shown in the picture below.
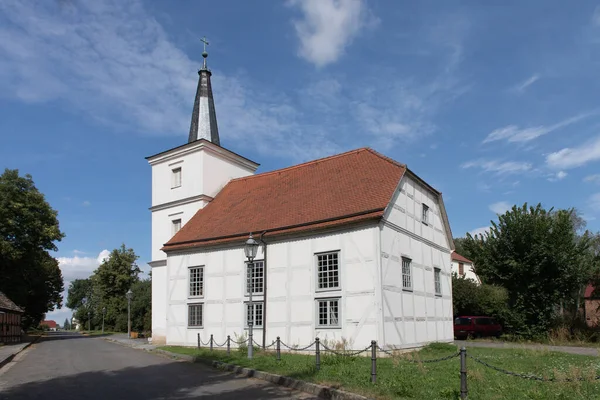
(49, 323)
(344, 189)
(458, 257)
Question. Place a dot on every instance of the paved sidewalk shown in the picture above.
(584, 351)
(9, 351)
(135, 343)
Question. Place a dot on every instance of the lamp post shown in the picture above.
(129, 294)
(250, 249)
(89, 321)
(103, 314)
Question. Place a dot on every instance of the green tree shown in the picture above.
(459, 246)
(113, 278)
(538, 257)
(29, 229)
(66, 324)
(141, 306)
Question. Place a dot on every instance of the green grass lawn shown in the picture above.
(399, 379)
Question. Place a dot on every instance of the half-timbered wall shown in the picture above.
(416, 315)
(291, 310)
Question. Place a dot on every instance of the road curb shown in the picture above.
(324, 392)
(12, 356)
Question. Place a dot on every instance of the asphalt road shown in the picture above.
(76, 367)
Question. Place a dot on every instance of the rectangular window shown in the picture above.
(425, 216)
(195, 315)
(406, 273)
(257, 316)
(461, 269)
(175, 177)
(328, 312)
(328, 271)
(438, 281)
(196, 276)
(255, 277)
(176, 226)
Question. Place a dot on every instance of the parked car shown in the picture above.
(476, 326)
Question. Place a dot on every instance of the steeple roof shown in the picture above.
(204, 118)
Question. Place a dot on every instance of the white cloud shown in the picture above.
(500, 207)
(528, 82)
(596, 16)
(559, 176)
(575, 157)
(499, 167)
(86, 203)
(592, 178)
(513, 133)
(594, 202)
(328, 27)
(480, 231)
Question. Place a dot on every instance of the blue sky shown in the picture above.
(491, 104)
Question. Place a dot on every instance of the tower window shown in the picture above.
(176, 226)
(176, 178)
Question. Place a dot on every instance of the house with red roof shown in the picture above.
(354, 246)
(50, 324)
(464, 268)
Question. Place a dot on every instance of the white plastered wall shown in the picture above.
(418, 316)
(291, 291)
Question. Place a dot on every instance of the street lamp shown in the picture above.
(129, 294)
(103, 314)
(89, 322)
(250, 249)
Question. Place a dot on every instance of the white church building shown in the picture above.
(354, 246)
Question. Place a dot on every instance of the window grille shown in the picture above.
(328, 271)
(406, 274)
(328, 311)
(196, 277)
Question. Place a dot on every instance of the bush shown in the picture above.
(469, 298)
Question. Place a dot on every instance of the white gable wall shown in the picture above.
(468, 269)
(416, 316)
(291, 311)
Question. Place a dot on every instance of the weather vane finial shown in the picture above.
(204, 53)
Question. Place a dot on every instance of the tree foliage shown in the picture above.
(539, 258)
(103, 294)
(29, 229)
(469, 298)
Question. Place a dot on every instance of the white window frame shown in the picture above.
(197, 326)
(202, 282)
(329, 325)
(176, 177)
(261, 304)
(406, 276)
(174, 223)
(246, 283)
(339, 272)
(437, 281)
(425, 214)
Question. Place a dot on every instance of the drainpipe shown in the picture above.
(264, 336)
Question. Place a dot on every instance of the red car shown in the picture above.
(478, 326)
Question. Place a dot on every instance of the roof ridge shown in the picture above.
(386, 158)
(304, 164)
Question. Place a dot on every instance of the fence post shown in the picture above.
(228, 345)
(278, 349)
(373, 361)
(318, 353)
(198, 340)
(211, 342)
(463, 373)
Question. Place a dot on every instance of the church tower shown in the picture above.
(184, 180)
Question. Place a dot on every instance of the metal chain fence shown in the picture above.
(319, 347)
